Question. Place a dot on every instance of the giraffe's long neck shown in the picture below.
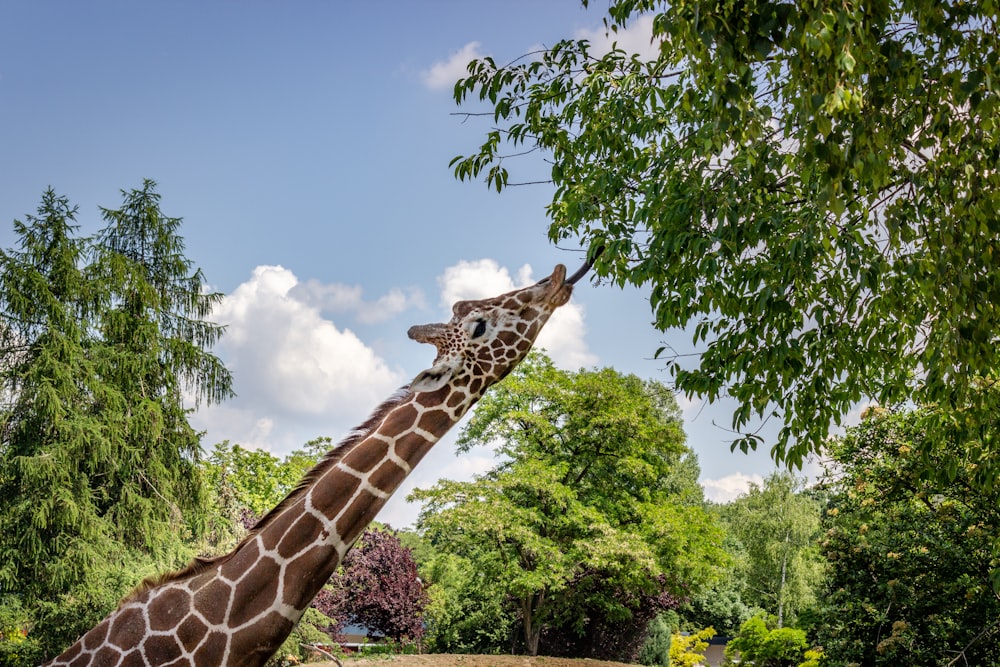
(298, 546)
(355, 487)
(311, 531)
(237, 609)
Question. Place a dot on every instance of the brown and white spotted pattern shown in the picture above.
(237, 609)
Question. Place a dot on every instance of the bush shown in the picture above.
(311, 629)
(656, 649)
(721, 607)
(17, 647)
(689, 650)
(466, 613)
(30, 637)
(766, 647)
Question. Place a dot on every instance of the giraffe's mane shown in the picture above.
(201, 563)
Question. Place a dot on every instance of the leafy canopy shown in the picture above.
(776, 525)
(246, 483)
(466, 612)
(377, 586)
(914, 562)
(592, 518)
(809, 188)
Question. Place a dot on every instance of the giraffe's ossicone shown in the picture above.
(237, 609)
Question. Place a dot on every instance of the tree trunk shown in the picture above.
(781, 586)
(532, 639)
(532, 633)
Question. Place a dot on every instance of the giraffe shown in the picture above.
(237, 609)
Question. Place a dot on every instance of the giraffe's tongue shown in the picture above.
(582, 271)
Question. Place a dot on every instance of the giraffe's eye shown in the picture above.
(480, 328)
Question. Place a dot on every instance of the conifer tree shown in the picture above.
(51, 531)
(153, 348)
(101, 341)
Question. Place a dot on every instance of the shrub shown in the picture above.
(656, 649)
(766, 647)
(689, 650)
(311, 629)
(17, 647)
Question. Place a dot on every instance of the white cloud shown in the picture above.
(479, 279)
(446, 73)
(340, 298)
(727, 488)
(562, 337)
(690, 407)
(637, 37)
(244, 426)
(290, 366)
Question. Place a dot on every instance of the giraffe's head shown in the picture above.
(486, 339)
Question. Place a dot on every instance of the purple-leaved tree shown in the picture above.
(377, 587)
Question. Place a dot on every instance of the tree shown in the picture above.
(586, 523)
(810, 189)
(467, 611)
(156, 301)
(777, 525)
(154, 345)
(655, 649)
(245, 484)
(913, 561)
(252, 479)
(377, 587)
(51, 530)
(720, 607)
(98, 472)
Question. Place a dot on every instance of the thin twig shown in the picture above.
(323, 652)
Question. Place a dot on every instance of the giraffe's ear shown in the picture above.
(433, 378)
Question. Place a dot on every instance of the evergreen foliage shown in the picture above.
(98, 464)
(55, 412)
(656, 648)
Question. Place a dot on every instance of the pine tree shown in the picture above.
(102, 340)
(154, 337)
(50, 530)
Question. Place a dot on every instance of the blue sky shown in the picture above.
(306, 146)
